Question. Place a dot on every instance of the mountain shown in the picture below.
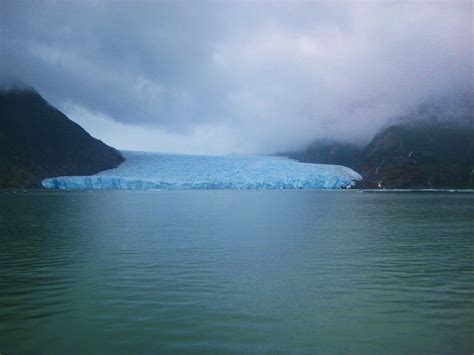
(37, 141)
(422, 155)
(329, 152)
(426, 154)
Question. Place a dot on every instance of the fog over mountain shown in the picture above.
(247, 77)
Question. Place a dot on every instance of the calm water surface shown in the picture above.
(236, 271)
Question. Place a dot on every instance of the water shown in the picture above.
(236, 271)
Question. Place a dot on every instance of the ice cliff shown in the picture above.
(142, 171)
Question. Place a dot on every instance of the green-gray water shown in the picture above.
(236, 271)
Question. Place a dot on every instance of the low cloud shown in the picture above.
(259, 77)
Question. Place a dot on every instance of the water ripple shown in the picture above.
(227, 271)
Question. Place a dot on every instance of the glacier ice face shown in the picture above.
(143, 171)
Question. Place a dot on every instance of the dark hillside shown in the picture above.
(38, 141)
(425, 154)
(422, 155)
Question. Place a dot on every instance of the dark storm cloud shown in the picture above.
(263, 76)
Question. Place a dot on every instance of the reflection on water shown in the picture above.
(302, 271)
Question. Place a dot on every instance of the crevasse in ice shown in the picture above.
(143, 171)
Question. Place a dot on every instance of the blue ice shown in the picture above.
(144, 171)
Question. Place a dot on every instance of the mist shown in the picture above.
(234, 77)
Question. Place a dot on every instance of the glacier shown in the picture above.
(146, 171)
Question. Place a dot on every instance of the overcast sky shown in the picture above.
(237, 77)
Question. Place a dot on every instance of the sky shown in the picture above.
(237, 77)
